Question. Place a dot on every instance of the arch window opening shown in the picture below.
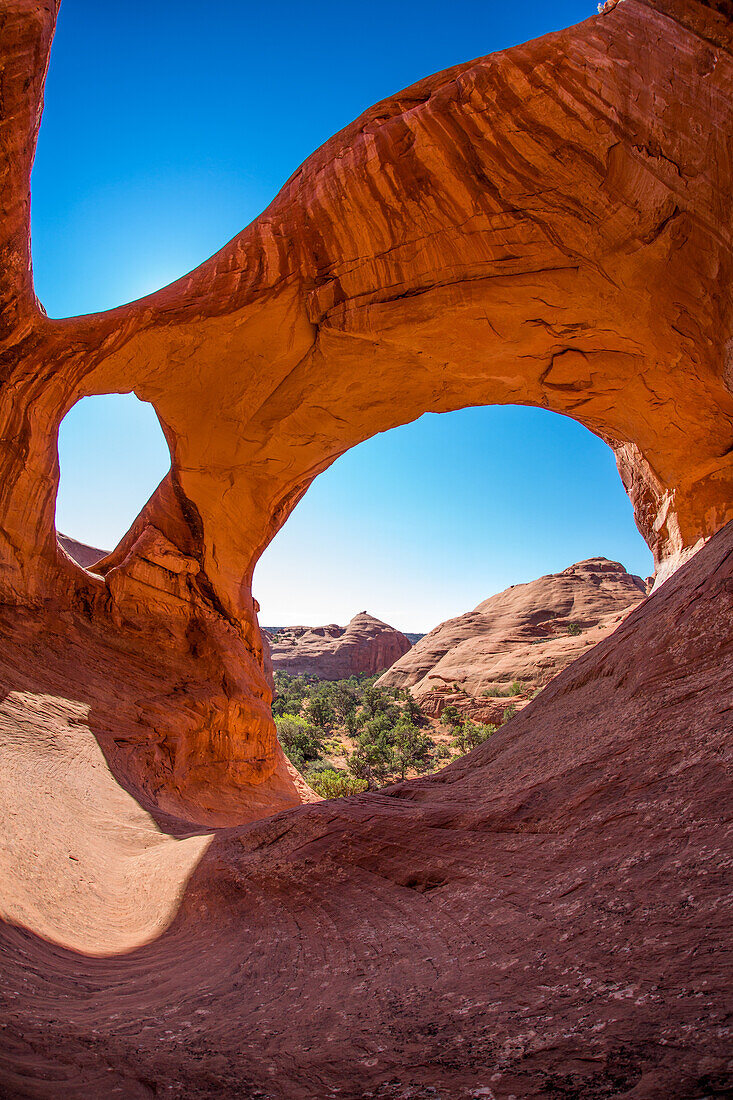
(460, 562)
(112, 457)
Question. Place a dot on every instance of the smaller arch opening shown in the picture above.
(112, 457)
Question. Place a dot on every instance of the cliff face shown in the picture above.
(528, 633)
(83, 555)
(366, 645)
(549, 225)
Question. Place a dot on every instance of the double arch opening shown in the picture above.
(113, 456)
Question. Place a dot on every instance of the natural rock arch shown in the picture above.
(549, 225)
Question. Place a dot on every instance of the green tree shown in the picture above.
(412, 708)
(301, 741)
(373, 758)
(319, 710)
(411, 747)
(451, 716)
(343, 699)
(470, 734)
(334, 783)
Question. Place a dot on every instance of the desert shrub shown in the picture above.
(496, 691)
(300, 740)
(376, 701)
(290, 693)
(411, 707)
(319, 709)
(373, 759)
(516, 688)
(509, 713)
(574, 629)
(334, 783)
(344, 698)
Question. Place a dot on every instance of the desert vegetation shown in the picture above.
(347, 736)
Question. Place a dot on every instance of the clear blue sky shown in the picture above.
(167, 128)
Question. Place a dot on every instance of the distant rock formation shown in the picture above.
(83, 555)
(366, 645)
(528, 633)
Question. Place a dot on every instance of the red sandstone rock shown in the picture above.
(546, 917)
(83, 555)
(521, 634)
(366, 645)
(549, 225)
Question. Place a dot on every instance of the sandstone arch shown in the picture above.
(549, 226)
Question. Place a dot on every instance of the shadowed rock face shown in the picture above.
(526, 633)
(366, 645)
(549, 225)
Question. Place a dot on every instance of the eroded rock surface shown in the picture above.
(527, 634)
(549, 225)
(84, 555)
(366, 645)
(547, 917)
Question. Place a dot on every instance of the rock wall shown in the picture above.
(549, 226)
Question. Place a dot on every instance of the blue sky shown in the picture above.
(167, 128)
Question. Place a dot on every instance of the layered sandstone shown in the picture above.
(547, 226)
(84, 555)
(366, 645)
(526, 634)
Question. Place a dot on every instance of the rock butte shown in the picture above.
(520, 634)
(549, 225)
(335, 652)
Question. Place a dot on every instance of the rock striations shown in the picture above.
(528, 633)
(545, 918)
(366, 645)
(549, 225)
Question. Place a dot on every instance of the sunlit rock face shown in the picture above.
(526, 634)
(549, 225)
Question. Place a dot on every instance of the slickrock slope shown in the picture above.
(549, 225)
(335, 652)
(524, 634)
(547, 917)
